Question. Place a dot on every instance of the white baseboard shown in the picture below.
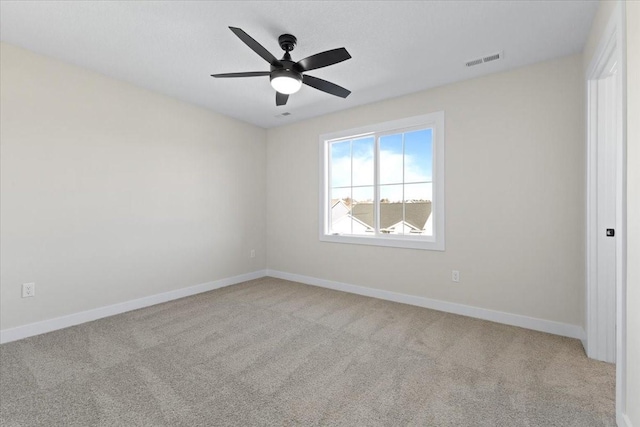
(37, 328)
(549, 326)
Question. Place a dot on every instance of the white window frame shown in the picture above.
(435, 242)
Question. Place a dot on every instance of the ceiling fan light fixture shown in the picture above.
(286, 81)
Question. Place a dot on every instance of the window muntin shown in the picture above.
(380, 185)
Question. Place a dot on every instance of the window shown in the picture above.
(384, 184)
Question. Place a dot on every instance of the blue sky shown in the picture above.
(417, 161)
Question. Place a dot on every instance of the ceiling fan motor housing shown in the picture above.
(286, 67)
(287, 42)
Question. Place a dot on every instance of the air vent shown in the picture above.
(474, 62)
(491, 58)
(279, 116)
(488, 58)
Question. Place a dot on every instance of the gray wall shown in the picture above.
(112, 193)
(514, 196)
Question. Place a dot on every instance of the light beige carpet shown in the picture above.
(272, 352)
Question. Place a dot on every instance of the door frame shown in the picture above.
(611, 46)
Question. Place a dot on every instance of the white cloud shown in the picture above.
(390, 171)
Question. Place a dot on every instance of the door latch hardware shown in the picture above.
(611, 232)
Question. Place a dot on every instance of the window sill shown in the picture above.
(404, 242)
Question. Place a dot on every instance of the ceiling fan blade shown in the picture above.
(281, 98)
(323, 59)
(255, 46)
(248, 74)
(325, 86)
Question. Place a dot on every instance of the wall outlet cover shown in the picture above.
(455, 276)
(28, 290)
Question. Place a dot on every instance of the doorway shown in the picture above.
(606, 204)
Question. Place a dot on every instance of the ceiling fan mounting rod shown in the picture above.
(287, 42)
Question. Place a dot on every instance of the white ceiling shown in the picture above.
(398, 47)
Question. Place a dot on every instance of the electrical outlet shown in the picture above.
(455, 276)
(28, 290)
(252, 254)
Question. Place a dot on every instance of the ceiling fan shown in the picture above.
(287, 76)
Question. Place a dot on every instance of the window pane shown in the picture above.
(418, 156)
(391, 164)
(417, 209)
(362, 161)
(417, 192)
(391, 193)
(390, 208)
(341, 164)
(341, 210)
(362, 210)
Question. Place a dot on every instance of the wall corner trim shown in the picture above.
(541, 325)
(37, 328)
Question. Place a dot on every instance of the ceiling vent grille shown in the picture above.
(488, 58)
(474, 62)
